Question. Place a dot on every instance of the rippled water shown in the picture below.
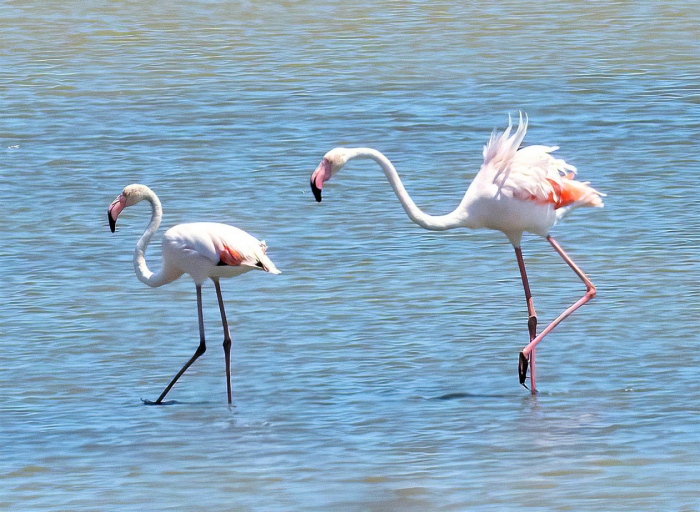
(378, 372)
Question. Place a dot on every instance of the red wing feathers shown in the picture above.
(230, 257)
(571, 191)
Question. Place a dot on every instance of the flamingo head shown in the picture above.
(131, 195)
(332, 162)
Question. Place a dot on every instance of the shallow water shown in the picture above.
(378, 372)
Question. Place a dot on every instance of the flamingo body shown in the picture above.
(204, 250)
(516, 190)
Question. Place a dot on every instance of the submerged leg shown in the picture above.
(590, 293)
(227, 338)
(200, 350)
(531, 325)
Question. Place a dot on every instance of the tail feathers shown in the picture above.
(263, 261)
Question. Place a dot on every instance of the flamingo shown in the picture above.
(516, 190)
(204, 250)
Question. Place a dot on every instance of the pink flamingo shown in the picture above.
(204, 250)
(516, 190)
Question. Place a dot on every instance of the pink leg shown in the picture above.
(590, 293)
(531, 325)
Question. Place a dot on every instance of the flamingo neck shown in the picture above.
(143, 273)
(457, 218)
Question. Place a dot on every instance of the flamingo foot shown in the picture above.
(523, 363)
(149, 402)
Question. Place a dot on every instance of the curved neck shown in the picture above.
(140, 267)
(457, 218)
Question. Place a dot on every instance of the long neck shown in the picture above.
(140, 267)
(456, 218)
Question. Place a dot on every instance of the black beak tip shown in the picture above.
(112, 222)
(316, 191)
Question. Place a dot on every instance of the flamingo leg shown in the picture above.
(227, 338)
(590, 293)
(200, 350)
(531, 325)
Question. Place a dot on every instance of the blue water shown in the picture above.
(379, 370)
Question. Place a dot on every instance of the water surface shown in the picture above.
(378, 372)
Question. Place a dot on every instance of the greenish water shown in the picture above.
(379, 371)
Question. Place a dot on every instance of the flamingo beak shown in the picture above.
(316, 190)
(114, 210)
(319, 176)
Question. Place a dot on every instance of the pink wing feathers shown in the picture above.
(229, 256)
(532, 173)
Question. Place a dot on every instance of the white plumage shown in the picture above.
(204, 250)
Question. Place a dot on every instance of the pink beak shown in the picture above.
(114, 210)
(319, 176)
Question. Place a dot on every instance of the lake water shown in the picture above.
(379, 370)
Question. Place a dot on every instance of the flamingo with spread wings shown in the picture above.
(204, 250)
(516, 190)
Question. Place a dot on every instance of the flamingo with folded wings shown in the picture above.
(204, 250)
